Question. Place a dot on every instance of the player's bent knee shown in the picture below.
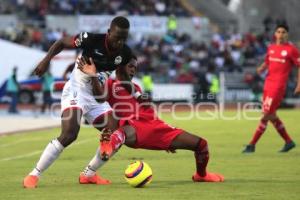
(67, 138)
(202, 145)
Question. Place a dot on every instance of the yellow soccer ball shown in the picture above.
(138, 174)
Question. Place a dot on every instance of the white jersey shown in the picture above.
(78, 93)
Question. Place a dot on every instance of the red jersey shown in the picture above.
(151, 132)
(280, 60)
(124, 104)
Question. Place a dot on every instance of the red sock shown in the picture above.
(259, 131)
(117, 138)
(278, 125)
(202, 157)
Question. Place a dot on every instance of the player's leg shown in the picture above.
(70, 128)
(108, 149)
(117, 138)
(111, 141)
(279, 126)
(200, 147)
(270, 103)
(89, 175)
(102, 118)
(261, 128)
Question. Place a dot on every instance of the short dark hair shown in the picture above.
(285, 26)
(121, 22)
(133, 56)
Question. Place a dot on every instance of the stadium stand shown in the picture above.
(170, 58)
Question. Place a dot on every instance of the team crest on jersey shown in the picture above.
(284, 52)
(118, 60)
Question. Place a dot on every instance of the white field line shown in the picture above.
(38, 152)
(20, 141)
(21, 156)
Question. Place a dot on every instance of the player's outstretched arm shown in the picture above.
(297, 90)
(56, 48)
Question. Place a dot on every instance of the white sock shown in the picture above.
(95, 164)
(50, 154)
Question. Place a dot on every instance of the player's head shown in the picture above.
(118, 33)
(128, 71)
(281, 33)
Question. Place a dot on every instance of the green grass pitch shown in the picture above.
(266, 174)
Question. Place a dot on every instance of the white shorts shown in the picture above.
(73, 97)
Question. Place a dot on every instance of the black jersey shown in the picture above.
(93, 45)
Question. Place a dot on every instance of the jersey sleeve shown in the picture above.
(267, 57)
(85, 40)
(295, 57)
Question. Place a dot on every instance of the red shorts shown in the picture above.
(272, 100)
(153, 134)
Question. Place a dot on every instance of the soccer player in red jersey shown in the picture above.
(141, 128)
(279, 60)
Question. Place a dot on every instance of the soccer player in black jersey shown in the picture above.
(107, 51)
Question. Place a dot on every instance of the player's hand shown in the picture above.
(144, 98)
(260, 70)
(297, 90)
(42, 67)
(85, 67)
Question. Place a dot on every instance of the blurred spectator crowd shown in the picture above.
(176, 58)
(169, 54)
(39, 8)
(169, 58)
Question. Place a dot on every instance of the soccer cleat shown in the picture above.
(30, 181)
(96, 179)
(210, 177)
(105, 145)
(250, 148)
(288, 146)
